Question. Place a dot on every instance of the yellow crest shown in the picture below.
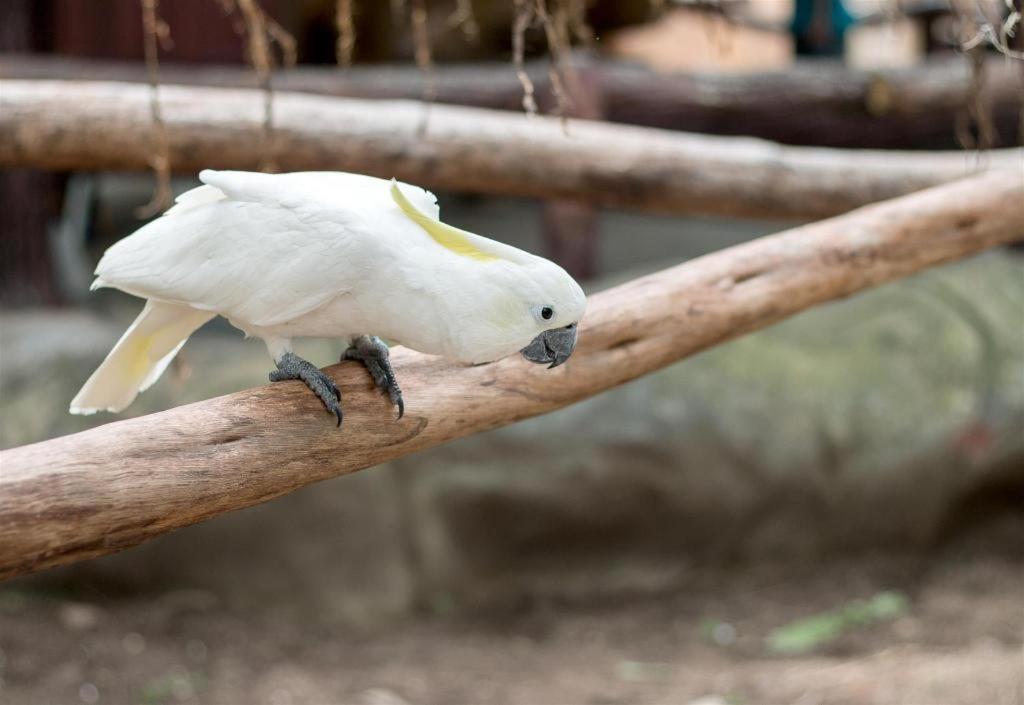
(452, 239)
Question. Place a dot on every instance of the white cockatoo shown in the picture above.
(327, 255)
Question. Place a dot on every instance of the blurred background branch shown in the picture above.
(83, 125)
(827, 105)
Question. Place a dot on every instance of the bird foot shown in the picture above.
(373, 353)
(291, 366)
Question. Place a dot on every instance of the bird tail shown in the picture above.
(139, 358)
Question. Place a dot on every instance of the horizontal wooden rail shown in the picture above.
(820, 103)
(90, 126)
(103, 490)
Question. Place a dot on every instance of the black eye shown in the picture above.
(547, 312)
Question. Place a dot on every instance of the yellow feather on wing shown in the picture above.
(449, 237)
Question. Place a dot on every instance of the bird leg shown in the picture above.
(373, 353)
(291, 366)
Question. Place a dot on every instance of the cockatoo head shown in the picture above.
(502, 307)
(499, 299)
(557, 304)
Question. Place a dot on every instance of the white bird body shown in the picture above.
(318, 254)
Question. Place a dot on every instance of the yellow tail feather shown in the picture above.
(139, 358)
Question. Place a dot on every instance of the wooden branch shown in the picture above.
(822, 103)
(103, 490)
(87, 126)
(814, 104)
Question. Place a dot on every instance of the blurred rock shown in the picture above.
(79, 617)
(710, 700)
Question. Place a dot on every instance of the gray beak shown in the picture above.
(552, 346)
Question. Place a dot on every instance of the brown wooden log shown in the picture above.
(91, 126)
(481, 85)
(103, 490)
(816, 103)
(823, 103)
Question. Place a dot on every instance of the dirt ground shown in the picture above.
(959, 642)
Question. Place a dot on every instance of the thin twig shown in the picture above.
(523, 19)
(975, 126)
(978, 111)
(155, 32)
(421, 40)
(346, 32)
(560, 70)
(284, 40)
(260, 31)
(978, 29)
(465, 20)
(581, 30)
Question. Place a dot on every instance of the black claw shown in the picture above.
(291, 366)
(373, 353)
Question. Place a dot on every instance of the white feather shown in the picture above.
(139, 357)
(193, 198)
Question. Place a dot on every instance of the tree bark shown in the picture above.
(103, 490)
(89, 126)
(817, 103)
(820, 103)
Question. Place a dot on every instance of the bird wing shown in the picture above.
(312, 189)
(262, 249)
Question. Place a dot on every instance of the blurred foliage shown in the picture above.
(807, 634)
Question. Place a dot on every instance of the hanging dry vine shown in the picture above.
(156, 34)
(522, 21)
(581, 29)
(978, 30)
(464, 18)
(977, 112)
(555, 23)
(261, 31)
(343, 19)
(561, 22)
(421, 41)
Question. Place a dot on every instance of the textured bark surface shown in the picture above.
(74, 125)
(818, 103)
(104, 490)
